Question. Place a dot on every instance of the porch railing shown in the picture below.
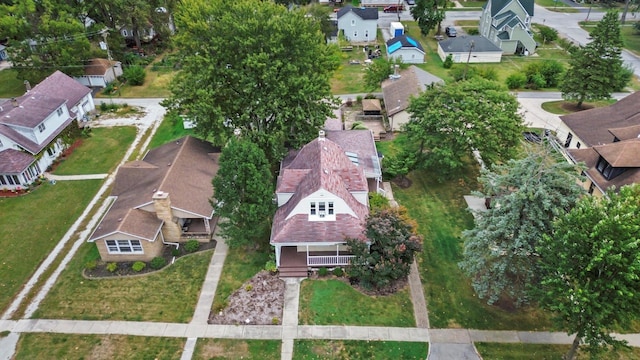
(329, 260)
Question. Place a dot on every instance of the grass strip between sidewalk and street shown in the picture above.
(497, 351)
(207, 349)
(354, 349)
(69, 346)
(334, 302)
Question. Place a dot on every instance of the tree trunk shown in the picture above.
(574, 348)
(624, 13)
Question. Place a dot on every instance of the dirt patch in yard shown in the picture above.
(259, 301)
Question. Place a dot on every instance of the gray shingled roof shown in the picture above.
(412, 81)
(405, 41)
(13, 161)
(363, 13)
(497, 5)
(461, 44)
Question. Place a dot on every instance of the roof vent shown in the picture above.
(14, 102)
(169, 164)
(321, 135)
(119, 219)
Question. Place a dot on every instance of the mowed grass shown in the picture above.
(44, 346)
(99, 153)
(495, 351)
(170, 129)
(169, 295)
(207, 349)
(333, 302)
(10, 85)
(348, 78)
(352, 349)
(32, 225)
(239, 266)
(556, 107)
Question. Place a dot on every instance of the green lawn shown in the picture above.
(440, 210)
(32, 225)
(555, 107)
(207, 349)
(170, 129)
(169, 295)
(495, 351)
(10, 86)
(239, 266)
(45, 346)
(319, 305)
(156, 85)
(348, 78)
(352, 349)
(99, 153)
(556, 5)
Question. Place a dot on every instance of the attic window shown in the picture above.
(353, 157)
(41, 127)
(59, 111)
(608, 172)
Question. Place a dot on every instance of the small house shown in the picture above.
(469, 49)
(405, 49)
(358, 24)
(100, 72)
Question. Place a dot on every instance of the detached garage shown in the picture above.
(406, 49)
(474, 49)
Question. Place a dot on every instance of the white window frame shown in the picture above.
(41, 127)
(355, 34)
(322, 210)
(124, 247)
(59, 111)
(353, 22)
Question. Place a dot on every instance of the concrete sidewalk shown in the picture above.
(51, 176)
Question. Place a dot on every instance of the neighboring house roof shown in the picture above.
(320, 165)
(371, 105)
(593, 126)
(14, 161)
(402, 42)
(183, 169)
(626, 133)
(624, 154)
(462, 44)
(412, 81)
(590, 157)
(363, 13)
(98, 66)
(497, 5)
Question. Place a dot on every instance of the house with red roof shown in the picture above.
(31, 127)
(161, 200)
(323, 198)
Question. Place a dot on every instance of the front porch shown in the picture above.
(198, 228)
(312, 256)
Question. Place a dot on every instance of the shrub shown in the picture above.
(547, 34)
(359, 99)
(275, 321)
(536, 81)
(112, 267)
(249, 287)
(271, 267)
(358, 125)
(175, 252)
(473, 31)
(158, 263)
(516, 81)
(323, 272)
(488, 73)
(90, 265)
(338, 272)
(552, 71)
(448, 62)
(138, 266)
(378, 201)
(191, 246)
(458, 73)
(134, 75)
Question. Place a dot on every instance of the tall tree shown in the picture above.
(254, 66)
(243, 188)
(393, 244)
(592, 268)
(43, 37)
(429, 14)
(448, 122)
(596, 69)
(379, 70)
(527, 195)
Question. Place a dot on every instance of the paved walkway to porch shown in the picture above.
(51, 176)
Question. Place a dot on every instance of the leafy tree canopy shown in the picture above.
(526, 196)
(591, 268)
(243, 188)
(429, 14)
(379, 70)
(255, 66)
(448, 122)
(393, 243)
(596, 69)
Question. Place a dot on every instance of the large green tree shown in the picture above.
(393, 244)
(448, 122)
(592, 268)
(527, 195)
(429, 14)
(243, 190)
(596, 69)
(44, 36)
(255, 66)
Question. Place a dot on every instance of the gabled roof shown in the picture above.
(98, 66)
(498, 5)
(412, 81)
(626, 133)
(402, 42)
(462, 44)
(621, 154)
(363, 13)
(590, 157)
(320, 165)
(592, 126)
(183, 169)
(13, 161)
(62, 86)
(29, 144)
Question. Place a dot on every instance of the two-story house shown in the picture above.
(31, 127)
(358, 24)
(322, 194)
(507, 23)
(607, 141)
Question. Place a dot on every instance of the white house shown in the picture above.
(472, 49)
(406, 49)
(322, 194)
(358, 24)
(100, 72)
(31, 126)
(507, 23)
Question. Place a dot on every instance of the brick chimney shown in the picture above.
(162, 205)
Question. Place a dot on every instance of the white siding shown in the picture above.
(339, 205)
(408, 56)
(355, 28)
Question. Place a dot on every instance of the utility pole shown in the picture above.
(471, 46)
(105, 33)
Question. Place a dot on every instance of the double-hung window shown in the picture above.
(124, 247)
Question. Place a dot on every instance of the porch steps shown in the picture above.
(294, 271)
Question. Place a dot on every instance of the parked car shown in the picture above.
(450, 31)
(411, 2)
(393, 8)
